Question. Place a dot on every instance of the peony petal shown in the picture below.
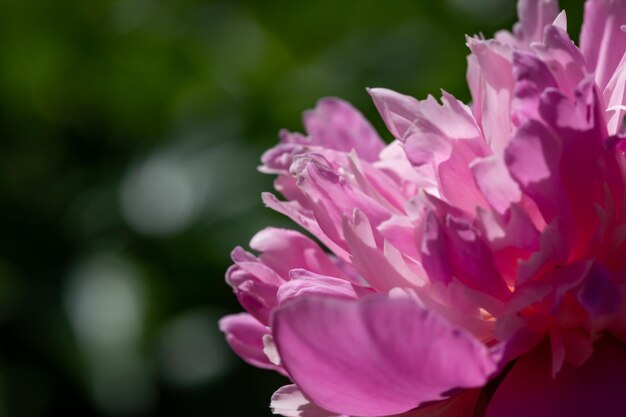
(245, 335)
(283, 250)
(463, 404)
(495, 64)
(601, 40)
(561, 21)
(394, 162)
(256, 296)
(564, 59)
(331, 196)
(298, 214)
(289, 401)
(381, 266)
(305, 283)
(471, 260)
(397, 110)
(447, 137)
(532, 158)
(400, 232)
(456, 182)
(335, 124)
(591, 390)
(532, 77)
(254, 283)
(434, 252)
(375, 357)
(615, 99)
(495, 182)
(598, 294)
(534, 16)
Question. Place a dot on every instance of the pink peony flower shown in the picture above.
(476, 266)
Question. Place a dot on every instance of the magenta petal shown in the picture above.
(463, 404)
(471, 260)
(375, 357)
(434, 252)
(591, 390)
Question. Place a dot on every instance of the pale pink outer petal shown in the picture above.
(563, 58)
(494, 62)
(561, 21)
(474, 82)
(591, 390)
(254, 284)
(303, 217)
(601, 40)
(382, 266)
(335, 124)
(399, 111)
(289, 401)
(447, 137)
(303, 283)
(381, 186)
(394, 163)
(331, 196)
(283, 250)
(456, 182)
(245, 335)
(534, 15)
(614, 96)
(377, 356)
(400, 232)
(495, 182)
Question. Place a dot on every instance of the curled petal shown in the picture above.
(245, 335)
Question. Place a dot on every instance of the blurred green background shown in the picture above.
(130, 135)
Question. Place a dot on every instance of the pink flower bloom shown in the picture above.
(477, 264)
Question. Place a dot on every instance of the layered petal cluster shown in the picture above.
(474, 266)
